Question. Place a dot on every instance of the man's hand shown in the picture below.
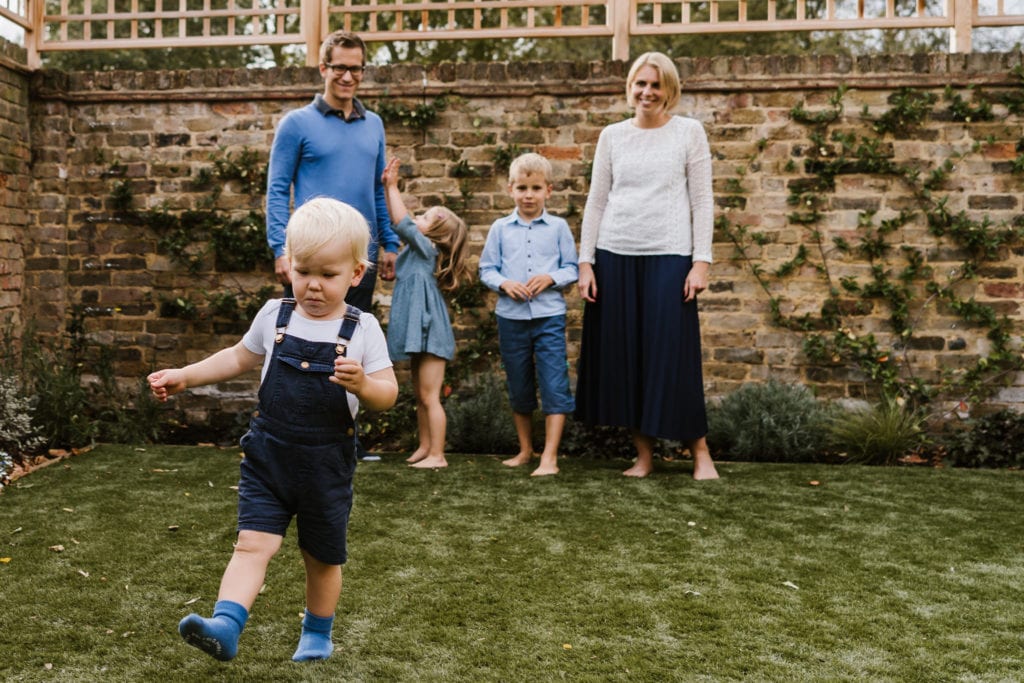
(386, 265)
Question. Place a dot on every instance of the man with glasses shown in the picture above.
(333, 147)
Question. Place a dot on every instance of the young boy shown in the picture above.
(320, 358)
(528, 258)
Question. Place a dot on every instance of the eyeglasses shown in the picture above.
(340, 69)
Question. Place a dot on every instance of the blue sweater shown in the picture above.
(323, 155)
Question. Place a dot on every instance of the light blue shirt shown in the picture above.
(517, 250)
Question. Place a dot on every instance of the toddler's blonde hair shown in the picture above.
(668, 74)
(322, 221)
(528, 163)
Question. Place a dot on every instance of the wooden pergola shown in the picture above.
(55, 25)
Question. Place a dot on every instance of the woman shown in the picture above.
(645, 253)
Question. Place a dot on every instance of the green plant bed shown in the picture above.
(481, 573)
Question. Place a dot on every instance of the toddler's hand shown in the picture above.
(164, 383)
(348, 373)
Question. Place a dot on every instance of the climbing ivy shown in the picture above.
(898, 279)
(209, 238)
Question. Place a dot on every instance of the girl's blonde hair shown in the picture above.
(448, 232)
(668, 74)
(322, 221)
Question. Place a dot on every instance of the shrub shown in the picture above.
(6, 466)
(877, 435)
(770, 422)
(996, 440)
(18, 436)
(394, 429)
(480, 419)
(597, 442)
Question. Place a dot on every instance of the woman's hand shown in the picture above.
(587, 283)
(696, 280)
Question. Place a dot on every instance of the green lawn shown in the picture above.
(480, 573)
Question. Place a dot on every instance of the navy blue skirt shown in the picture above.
(640, 357)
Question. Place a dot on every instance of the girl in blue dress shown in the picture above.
(434, 259)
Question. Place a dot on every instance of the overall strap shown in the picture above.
(348, 328)
(284, 314)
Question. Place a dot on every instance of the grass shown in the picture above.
(480, 573)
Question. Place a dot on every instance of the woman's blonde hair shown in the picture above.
(322, 221)
(449, 234)
(668, 74)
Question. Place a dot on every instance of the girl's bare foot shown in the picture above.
(430, 462)
(520, 459)
(638, 471)
(544, 470)
(417, 455)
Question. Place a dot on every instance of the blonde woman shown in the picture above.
(645, 255)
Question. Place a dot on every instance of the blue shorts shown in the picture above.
(313, 483)
(533, 353)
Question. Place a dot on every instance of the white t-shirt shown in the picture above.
(368, 345)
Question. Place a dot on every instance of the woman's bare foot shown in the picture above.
(639, 471)
(417, 455)
(704, 470)
(703, 465)
(521, 459)
(430, 462)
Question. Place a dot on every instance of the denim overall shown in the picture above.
(299, 450)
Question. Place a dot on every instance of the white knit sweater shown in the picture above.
(650, 192)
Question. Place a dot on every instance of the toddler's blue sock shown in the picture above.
(217, 636)
(315, 642)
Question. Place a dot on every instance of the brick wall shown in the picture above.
(14, 181)
(161, 128)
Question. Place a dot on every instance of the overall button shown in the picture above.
(304, 365)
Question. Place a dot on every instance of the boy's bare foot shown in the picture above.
(521, 459)
(430, 462)
(416, 456)
(638, 471)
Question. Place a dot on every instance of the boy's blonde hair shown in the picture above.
(668, 74)
(528, 163)
(448, 232)
(322, 221)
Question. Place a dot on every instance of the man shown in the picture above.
(333, 147)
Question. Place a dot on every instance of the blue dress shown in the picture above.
(418, 322)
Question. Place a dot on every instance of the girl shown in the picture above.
(419, 327)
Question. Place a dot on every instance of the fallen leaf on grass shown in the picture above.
(566, 646)
(5, 560)
(68, 509)
(57, 548)
(814, 482)
(790, 584)
(84, 573)
(173, 527)
(192, 601)
(691, 593)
